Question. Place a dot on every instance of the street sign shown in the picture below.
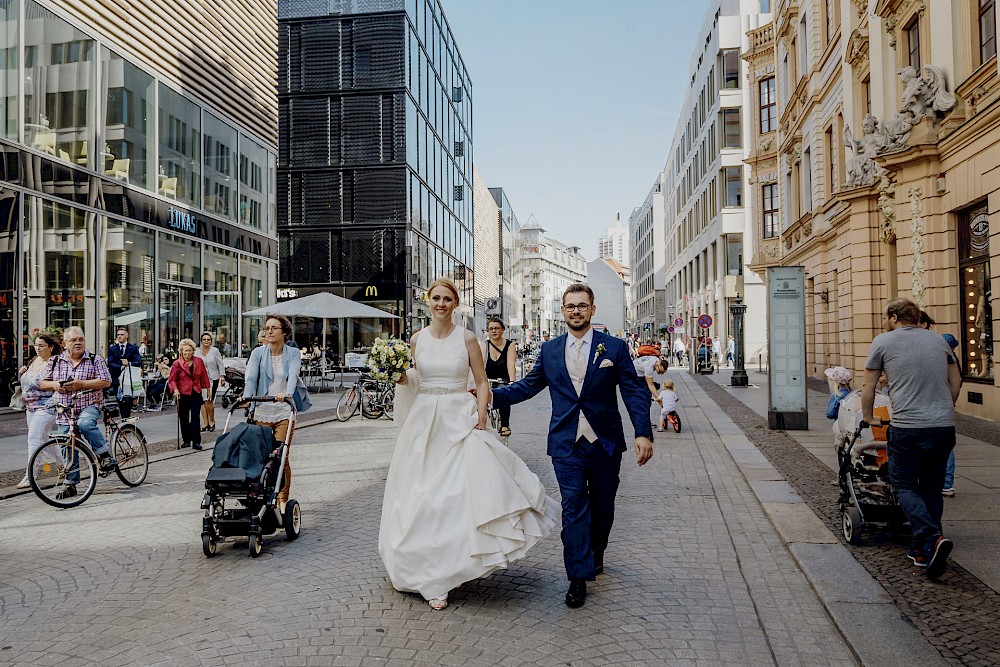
(670, 329)
(704, 321)
(493, 305)
(647, 325)
(679, 322)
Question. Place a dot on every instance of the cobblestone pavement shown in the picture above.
(957, 614)
(695, 574)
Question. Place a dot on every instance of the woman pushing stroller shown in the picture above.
(273, 370)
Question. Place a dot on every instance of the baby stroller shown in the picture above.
(866, 495)
(247, 471)
(235, 381)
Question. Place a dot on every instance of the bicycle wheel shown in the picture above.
(63, 472)
(370, 406)
(388, 398)
(347, 406)
(129, 450)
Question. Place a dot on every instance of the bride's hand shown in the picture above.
(481, 426)
(402, 379)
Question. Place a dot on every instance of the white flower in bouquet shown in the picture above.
(389, 359)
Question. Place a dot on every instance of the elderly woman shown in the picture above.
(188, 379)
(41, 418)
(273, 370)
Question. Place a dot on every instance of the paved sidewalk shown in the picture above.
(957, 615)
(695, 574)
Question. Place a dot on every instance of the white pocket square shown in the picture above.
(606, 363)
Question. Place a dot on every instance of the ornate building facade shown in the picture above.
(887, 137)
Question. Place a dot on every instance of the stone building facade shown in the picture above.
(888, 125)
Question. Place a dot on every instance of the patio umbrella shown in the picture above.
(323, 305)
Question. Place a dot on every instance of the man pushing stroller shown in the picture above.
(924, 383)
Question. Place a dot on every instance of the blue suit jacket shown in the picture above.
(597, 398)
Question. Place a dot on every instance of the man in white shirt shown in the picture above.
(647, 367)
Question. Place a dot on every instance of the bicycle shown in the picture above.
(674, 420)
(494, 416)
(66, 456)
(368, 396)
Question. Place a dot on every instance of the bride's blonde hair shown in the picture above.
(446, 283)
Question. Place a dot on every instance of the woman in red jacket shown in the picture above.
(188, 380)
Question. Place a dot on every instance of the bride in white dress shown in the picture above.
(458, 504)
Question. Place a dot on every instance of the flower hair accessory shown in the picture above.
(598, 351)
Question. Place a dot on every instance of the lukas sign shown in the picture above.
(182, 221)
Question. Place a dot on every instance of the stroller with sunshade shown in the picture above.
(241, 490)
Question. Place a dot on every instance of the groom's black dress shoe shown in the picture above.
(598, 562)
(577, 593)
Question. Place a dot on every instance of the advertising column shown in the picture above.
(787, 407)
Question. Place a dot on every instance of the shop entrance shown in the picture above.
(180, 315)
(222, 320)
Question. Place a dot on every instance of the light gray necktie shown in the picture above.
(578, 373)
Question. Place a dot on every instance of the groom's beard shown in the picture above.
(578, 326)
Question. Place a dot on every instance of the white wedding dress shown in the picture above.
(458, 504)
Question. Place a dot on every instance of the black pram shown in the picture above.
(247, 466)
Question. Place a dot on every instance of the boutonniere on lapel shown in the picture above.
(598, 351)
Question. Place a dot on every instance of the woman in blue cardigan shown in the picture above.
(273, 370)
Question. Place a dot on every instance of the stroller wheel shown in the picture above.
(256, 545)
(208, 545)
(292, 519)
(852, 524)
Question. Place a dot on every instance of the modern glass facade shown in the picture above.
(123, 201)
(375, 157)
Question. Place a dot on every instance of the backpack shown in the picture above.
(648, 351)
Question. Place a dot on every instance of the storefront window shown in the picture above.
(179, 172)
(977, 312)
(128, 122)
(10, 215)
(58, 85)
(220, 270)
(253, 186)
(8, 69)
(220, 318)
(130, 280)
(254, 294)
(220, 172)
(59, 268)
(180, 259)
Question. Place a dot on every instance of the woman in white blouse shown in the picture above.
(216, 370)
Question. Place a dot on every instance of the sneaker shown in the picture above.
(917, 556)
(949, 492)
(938, 562)
(24, 483)
(107, 464)
(67, 491)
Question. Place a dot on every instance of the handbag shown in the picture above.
(17, 400)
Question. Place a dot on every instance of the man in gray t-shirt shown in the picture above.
(923, 385)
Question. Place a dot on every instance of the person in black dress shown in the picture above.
(500, 355)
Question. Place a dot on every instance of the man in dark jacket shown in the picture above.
(123, 355)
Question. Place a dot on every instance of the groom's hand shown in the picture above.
(643, 450)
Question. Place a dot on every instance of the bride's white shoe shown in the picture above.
(437, 604)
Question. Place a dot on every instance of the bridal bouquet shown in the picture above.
(389, 359)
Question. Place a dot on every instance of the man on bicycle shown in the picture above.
(79, 378)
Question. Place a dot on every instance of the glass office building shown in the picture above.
(124, 200)
(375, 157)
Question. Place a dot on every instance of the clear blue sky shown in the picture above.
(575, 102)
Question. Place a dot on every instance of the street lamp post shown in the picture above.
(738, 311)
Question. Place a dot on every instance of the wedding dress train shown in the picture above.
(458, 504)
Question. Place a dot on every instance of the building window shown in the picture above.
(734, 255)
(730, 68)
(765, 6)
(733, 178)
(768, 105)
(974, 279)
(913, 43)
(10, 35)
(832, 21)
(732, 134)
(769, 199)
(830, 162)
(180, 148)
(987, 30)
(866, 94)
(128, 122)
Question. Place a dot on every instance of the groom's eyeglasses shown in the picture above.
(576, 307)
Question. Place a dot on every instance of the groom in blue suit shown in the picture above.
(586, 438)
